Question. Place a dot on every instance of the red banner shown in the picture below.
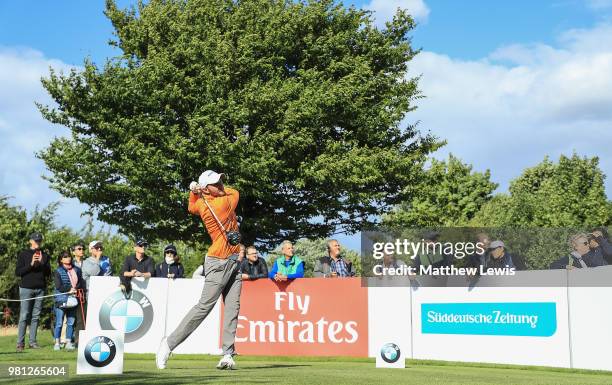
(306, 317)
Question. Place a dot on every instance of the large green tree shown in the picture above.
(450, 195)
(299, 102)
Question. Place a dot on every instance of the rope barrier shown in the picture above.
(29, 299)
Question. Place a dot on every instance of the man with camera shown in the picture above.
(599, 244)
(581, 256)
(33, 268)
(216, 205)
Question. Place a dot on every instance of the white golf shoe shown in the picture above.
(163, 353)
(226, 362)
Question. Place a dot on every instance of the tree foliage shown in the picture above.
(300, 103)
(570, 193)
(450, 195)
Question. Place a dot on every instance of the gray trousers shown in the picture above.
(221, 278)
(27, 308)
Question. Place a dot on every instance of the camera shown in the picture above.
(233, 237)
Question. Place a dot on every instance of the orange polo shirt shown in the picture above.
(224, 209)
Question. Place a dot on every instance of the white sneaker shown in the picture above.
(163, 353)
(56, 346)
(226, 362)
(69, 346)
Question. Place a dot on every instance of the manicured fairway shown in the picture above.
(200, 369)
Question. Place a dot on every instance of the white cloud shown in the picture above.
(23, 132)
(506, 111)
(599, 4)
(385, 9)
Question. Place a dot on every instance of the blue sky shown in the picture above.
(72, 29)
(506, 82)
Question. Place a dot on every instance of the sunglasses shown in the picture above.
(99, 248)
(78, 248)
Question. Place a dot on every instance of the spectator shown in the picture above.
(480, 259)
(170, 267)
(78, 251)
(106, 269)
(434, 255)
(91, 266)
(33, 268)
(581, 256)
(136, 265)
(498, 257)
(390, 261)
(241, 253)
(67, 279)
(288, 266)
(600, 245)
(333, 264)
(253, 266)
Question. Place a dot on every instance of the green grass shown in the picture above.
(200, 369)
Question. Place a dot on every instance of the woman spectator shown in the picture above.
(68, 280)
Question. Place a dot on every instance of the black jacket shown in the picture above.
(32, 277)
(163, 269)
(256, 270)
(145, 265)
(604, 249)
(591, 259)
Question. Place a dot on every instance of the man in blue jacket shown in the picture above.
(288, 266)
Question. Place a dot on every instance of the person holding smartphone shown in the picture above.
(34, 269)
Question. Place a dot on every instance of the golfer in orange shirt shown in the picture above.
(216, 205)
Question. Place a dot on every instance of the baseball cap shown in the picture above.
(170, 248)
(209, 177)
(94, 244)
(36, 237)
(496, 244)
(141, 242)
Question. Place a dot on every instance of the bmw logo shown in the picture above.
(390, 353)
(132, 316)
(100, 351)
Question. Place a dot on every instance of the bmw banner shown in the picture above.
(141, 316)
(100, 352)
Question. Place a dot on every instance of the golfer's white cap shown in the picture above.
(209, 177)
(93, 244)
